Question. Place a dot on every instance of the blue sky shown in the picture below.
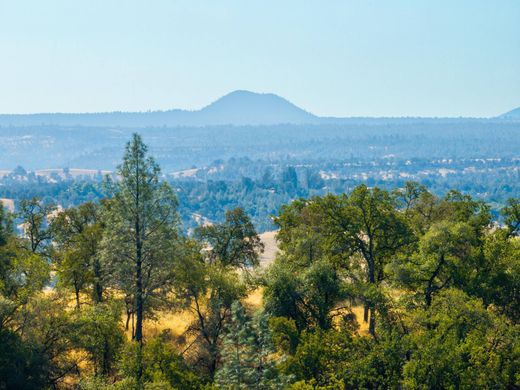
(340, 58)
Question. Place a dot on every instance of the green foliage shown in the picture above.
(210, 301)
(306, 295)
(339, 359)
(446, 253)
(321, 356)
(163, 367)
(98, 331)
(234, 242)
(511, 214)
(440, 277)
(359, 234)
(247, 357)
(207, 281)
(141, 227)
(284, 334)
(22, 366)
(36, 231)
(457, 343)
(78, 233)
(498, 278)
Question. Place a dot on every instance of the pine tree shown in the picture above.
(141, 228)
(248, 354)
(237, 371)
(266, 374)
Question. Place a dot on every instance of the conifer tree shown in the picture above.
(237, 371)
(247, 354)
(141, 227)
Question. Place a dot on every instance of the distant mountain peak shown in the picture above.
(246, 107)
(513, 114)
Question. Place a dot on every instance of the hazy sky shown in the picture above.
(341, 58)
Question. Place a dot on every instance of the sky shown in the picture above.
(332, 58)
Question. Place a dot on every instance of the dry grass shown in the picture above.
(363, 326)
(270, 248)
(176, 322)
(254, 300)
(8, 204)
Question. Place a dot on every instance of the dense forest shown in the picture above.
(373, 286)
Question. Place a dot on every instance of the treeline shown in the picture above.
(374, 289)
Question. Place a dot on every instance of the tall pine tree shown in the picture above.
(141, 227)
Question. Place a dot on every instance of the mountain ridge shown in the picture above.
(237, 108)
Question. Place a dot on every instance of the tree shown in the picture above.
(207, 290)
(446, 252)
(141, 226)
(237, 371)
(511, 214)
(78, 233)
(247, 354)
(377, 232)
(46, 329)
(457, 343)
(36, 230)
(360, 233)
(290, 179)
(305, 294)
(234, 242)
(98, 332)
(23, 273)
(163, 367)
(497, 281)
(208, 281)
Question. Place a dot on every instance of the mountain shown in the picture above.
(236, 108)
(513, 114)
(245, 107)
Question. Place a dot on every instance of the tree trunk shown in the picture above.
(133, 326)
(139, 304)
(428, 297)
(372, 324)
(98, 288)
(106, 359)
(430, 287)
(138, 285)
(127, 324)
(372, 281)
(76, 292)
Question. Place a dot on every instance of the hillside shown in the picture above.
(513, 114)
(249, 108)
